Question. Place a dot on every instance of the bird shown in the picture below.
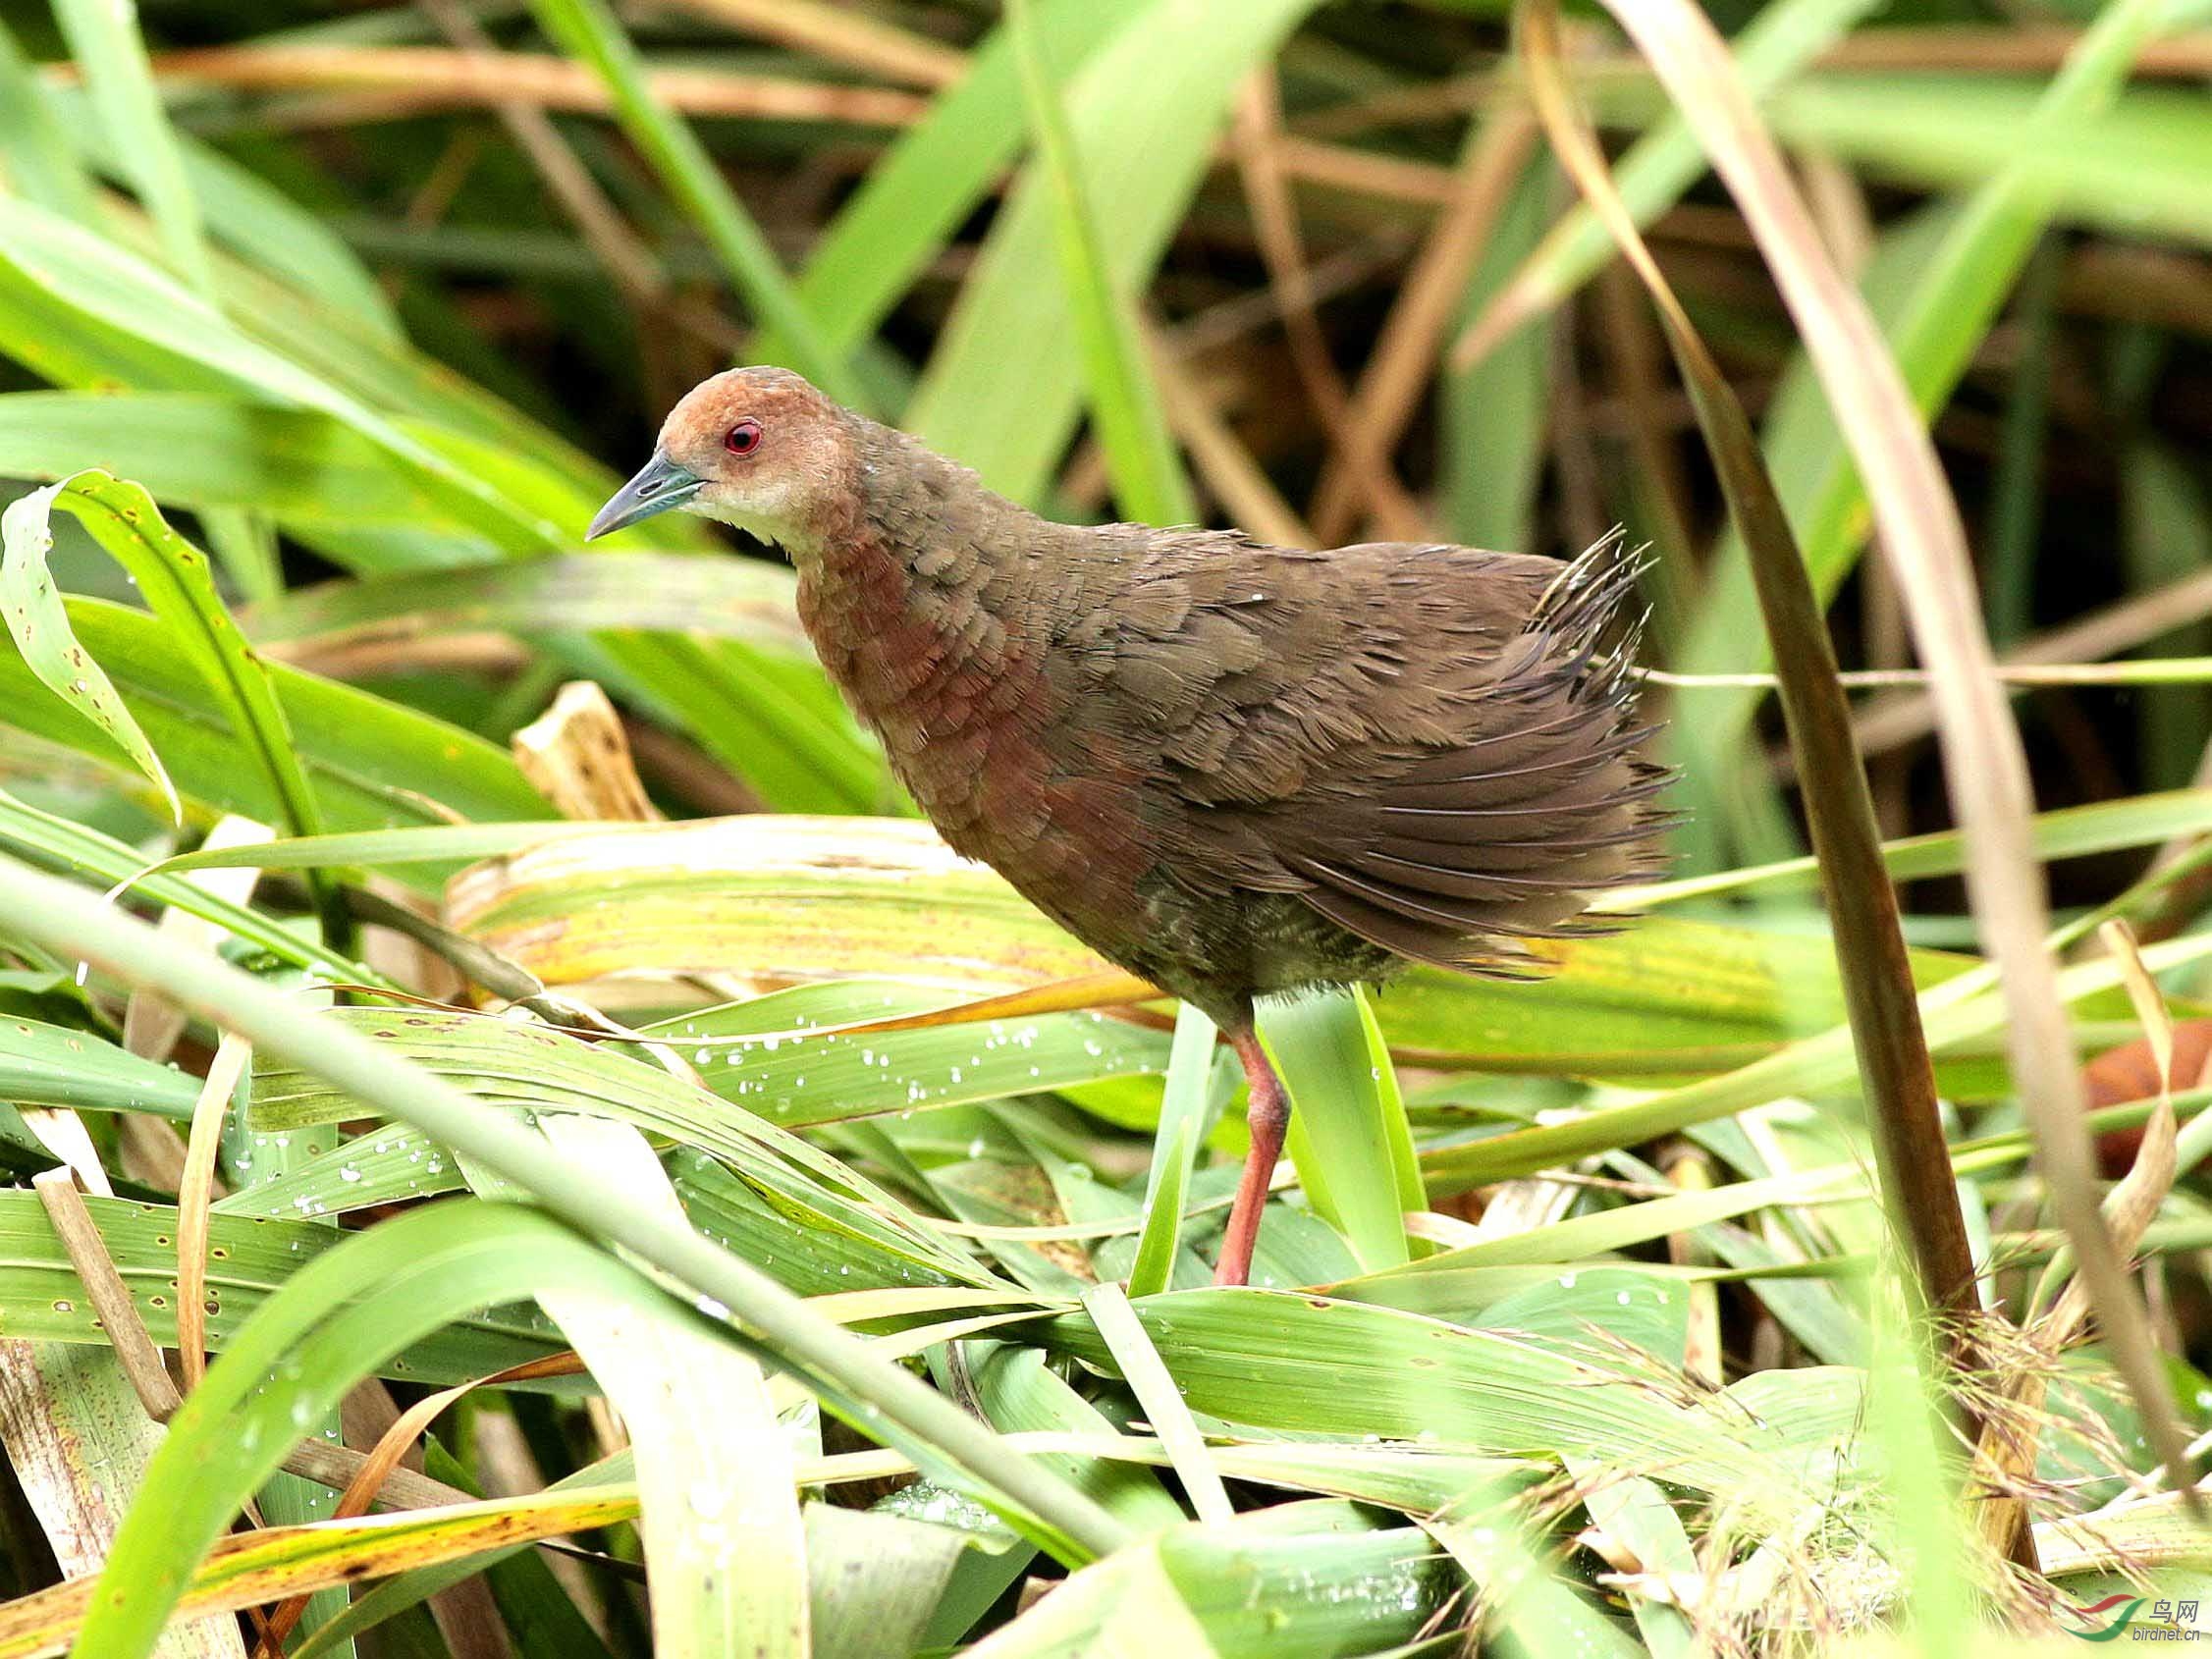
(1235, 769)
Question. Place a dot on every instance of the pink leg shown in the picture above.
(1268, 1115)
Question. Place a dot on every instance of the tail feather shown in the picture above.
(1505, 838)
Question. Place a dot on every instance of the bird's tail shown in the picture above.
(1586, 610)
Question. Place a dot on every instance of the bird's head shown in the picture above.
(756, 448)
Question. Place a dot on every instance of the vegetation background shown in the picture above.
(373, 857)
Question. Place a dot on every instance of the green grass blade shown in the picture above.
(1309, 1579)
(1018, 1390)
(38, 625)
(254, 220)
(752, 693)
(264, 1565)
(105, 43)
(799, 1080)
(69, 849)
(1311, 1365)
(1491, 452)
(1004, 387)
(34, 144)
(1139, 1363)
(1945, 281)
(1904, 1408)
(742, 598)
(500, 1063)
(1182, 1121)
(724, 1551)
(560, 1626)
(249, 1160)
(2140, 821)
(2167, 536)
(784, 733)
(257, 1258)
(1348, 1133)
(177, 584)
(179, 588)
(588, 30)
(215, 450)
(2126, 168)
(103, 38)
(931, 178)
(879, 1577)
(1668, 160)
(81, 308)
(753, 1092)
(1126, 408)
(329, 1327)
(42, 1064)
(2015, 491)
(80, 1443)
(1817, 1065)
(377, 849)
(695, 890)
(371, 761)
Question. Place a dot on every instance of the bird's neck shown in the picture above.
(916, 591)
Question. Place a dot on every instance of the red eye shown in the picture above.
(742, 439)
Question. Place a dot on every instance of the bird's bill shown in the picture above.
(660, 484)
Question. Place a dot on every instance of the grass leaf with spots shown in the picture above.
(39, 627)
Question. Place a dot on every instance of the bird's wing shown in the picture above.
(1434, 747)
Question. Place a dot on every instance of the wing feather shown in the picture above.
(1524, 795)
(1433, 748)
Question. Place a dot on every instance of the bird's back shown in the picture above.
(1239, 769)
(1432, 748)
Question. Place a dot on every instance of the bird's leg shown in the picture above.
(1268, 1115)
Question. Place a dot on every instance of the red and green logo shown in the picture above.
(2117, 1611)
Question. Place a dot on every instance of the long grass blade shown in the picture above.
(1780, 42)
(2140, 820)
(1893, 1055)
(724, 1550)
(103, 37)
(1151, 101)
(174, 579)
(1126, 404)
(589, 29)
(1939, 285)
(38, 625)
(1124, 1336)
(264, 1566)
(916, 196)
(1348, 1133)
(1182, 1120)
(40, 160)
(1985, 762)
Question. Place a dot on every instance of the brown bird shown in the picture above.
(1237, 771)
